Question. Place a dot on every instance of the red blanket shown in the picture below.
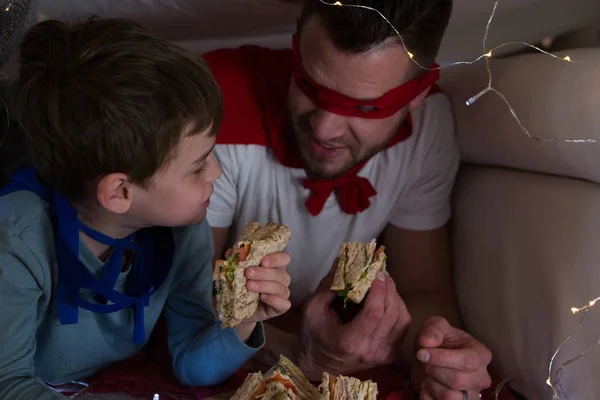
(150, 372)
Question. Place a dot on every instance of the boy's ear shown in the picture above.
(114, 192)
(416, 102)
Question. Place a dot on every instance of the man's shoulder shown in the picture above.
(249, 63)
(436, 104)
(433, 122)
(254, 82)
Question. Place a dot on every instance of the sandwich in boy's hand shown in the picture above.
(234, 301)
(282, 382)
(346, 388)
(357, 268)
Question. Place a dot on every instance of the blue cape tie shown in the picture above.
(152, 255)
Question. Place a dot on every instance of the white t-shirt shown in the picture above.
(413, 180)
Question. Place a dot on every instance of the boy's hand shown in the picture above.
(272, 281)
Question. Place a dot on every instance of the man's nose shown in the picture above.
(327, 126)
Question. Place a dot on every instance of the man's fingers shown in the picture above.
(357, 331)
(439, 391)
(425, 395)
(267, 287)
(433, 332)
(279, 275)
(457, 380)
(467, 360)
(275, 260)
(395, 320)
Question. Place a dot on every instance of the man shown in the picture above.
(342, 139)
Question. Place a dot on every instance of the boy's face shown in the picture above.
(180, 193)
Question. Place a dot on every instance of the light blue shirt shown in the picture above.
(35, 347)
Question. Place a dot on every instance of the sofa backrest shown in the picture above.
(526, 226)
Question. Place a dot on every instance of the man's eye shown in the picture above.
(365, 108)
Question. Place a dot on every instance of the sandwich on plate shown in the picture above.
(284, 381)
(234, 301)
(357, 267)
(346, 388)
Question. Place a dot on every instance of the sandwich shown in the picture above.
(283, 381)
(357, 267)
(234, 301)
(286, 373)
(346, 388)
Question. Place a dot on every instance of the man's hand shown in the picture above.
(369, 340)
(450, 360)
(272, 281)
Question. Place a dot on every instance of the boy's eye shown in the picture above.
(202, 168)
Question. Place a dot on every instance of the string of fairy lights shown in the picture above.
(486, 56)
(553, 382)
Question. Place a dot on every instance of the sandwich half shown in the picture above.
(286, 373)
(357, 267)
(234, 301)
(254, 386)
(346, 388)
(283, 381)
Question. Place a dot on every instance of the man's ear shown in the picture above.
(114, 192)
(416, 102)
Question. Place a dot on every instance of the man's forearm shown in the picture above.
(278, 343)
(421, 306)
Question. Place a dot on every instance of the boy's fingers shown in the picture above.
(268, 274)
(276, 260)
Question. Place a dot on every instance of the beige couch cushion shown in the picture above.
(527, 249)
(527, 244)
(553, 98)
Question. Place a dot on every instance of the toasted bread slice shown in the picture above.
(343, 388)
(357, 267)
(292, 378)
(234, 301)
(254, 386)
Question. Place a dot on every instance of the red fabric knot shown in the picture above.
(353, 193)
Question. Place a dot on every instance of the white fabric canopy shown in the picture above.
(203, 25)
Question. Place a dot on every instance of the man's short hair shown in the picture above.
(421, 23)
(105, 96)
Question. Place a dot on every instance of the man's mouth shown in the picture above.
(325, 150)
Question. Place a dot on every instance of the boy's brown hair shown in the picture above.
(106, 96)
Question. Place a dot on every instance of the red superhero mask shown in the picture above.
(382, 107)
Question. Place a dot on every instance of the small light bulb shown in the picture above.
(488, 54)
(567, 58)
(574, 310)
(411, 55)
(548, 382)
(337, 3)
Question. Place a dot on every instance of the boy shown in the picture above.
(108, 230)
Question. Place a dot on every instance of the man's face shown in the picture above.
(330, 144)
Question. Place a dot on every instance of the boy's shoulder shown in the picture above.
(23, 212)
(192, 239)
(26, 239)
